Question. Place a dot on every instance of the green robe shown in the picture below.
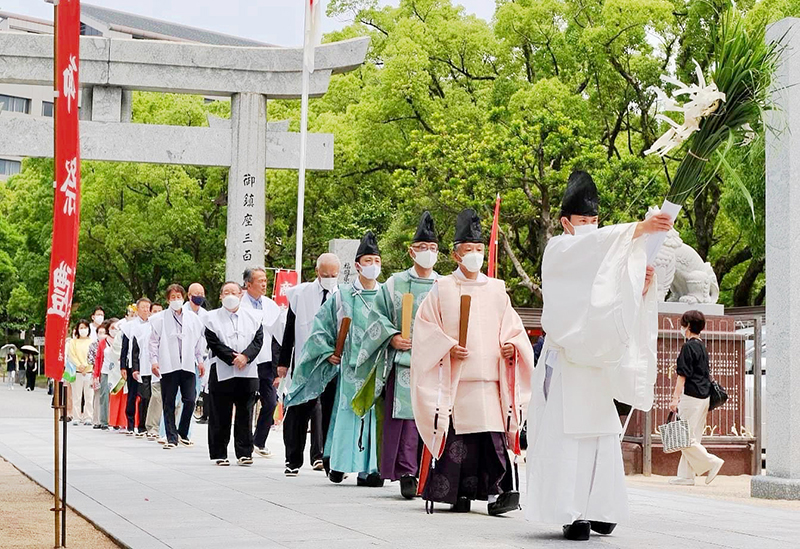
(351, 441)
(378, 356)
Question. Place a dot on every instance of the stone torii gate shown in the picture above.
(111, 69)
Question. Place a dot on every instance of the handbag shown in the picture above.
(718, 396)
(675, 435)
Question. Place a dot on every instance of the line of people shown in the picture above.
(424, 379)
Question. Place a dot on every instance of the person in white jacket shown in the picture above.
(177, 345)
(272, 319)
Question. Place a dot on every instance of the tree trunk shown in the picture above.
(742, 293)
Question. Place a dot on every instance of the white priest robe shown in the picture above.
(176, 349)
(600, 345)
(236, 331)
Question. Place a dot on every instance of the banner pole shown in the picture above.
(64, 472)
(57, 386)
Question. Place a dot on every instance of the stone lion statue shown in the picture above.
(682, 273)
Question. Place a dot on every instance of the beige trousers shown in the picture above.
(82, 387)
(695, 460)
(154, 409)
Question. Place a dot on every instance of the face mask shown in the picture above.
(176, 304)
(230, 302)
(113, 332)
(98, 319)
(472, 261)
(581, 230)
(328, 283)
(371, 272)
(83, 332)
(198, 300)
(426, 259)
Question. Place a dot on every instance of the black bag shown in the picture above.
(718, 396)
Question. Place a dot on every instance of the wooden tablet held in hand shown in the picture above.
(343, 329)
(463, 324)
(408, 308)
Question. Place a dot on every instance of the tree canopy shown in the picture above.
(447, 112)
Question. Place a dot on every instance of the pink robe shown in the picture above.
(485, 392)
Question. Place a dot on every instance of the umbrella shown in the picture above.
(29, 349)
(6, 349)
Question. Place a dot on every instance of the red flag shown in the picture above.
(493, 241)
(67, 202)
(283, 281)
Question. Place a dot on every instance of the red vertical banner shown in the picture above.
(67, 202)
(494, 240)
(283, 281)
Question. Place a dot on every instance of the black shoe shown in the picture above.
(373, 480)
(580, 530)
(104, 427)
(97, 426)
(505, 502)
(604, 528)
(202, 421)
(408, 486)
(463, 505)
(291, 471)
(336, 477)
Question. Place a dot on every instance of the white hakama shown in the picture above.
(570, 477)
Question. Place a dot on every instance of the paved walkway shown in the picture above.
(146, 497)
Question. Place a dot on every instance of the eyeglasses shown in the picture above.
(425, 247)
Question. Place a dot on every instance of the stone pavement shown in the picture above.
(146, 497)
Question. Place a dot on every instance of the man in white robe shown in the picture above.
(305, 300)
(600, 317)
(255, 281)
(176, 347)
(234, 337)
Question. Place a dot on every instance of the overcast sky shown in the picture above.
(272, 21)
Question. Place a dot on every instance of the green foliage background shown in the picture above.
(448, 111)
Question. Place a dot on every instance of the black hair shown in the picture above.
(695, 320)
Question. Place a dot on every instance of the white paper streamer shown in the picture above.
(655, 240)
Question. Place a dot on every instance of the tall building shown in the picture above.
(25, 100)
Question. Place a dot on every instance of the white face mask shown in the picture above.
(176, 304)
(230, 302)
(581, 230)
(98, 319)
(472, 261)
(371, 272)
(328, 283)
(83, 332)
(426, 259)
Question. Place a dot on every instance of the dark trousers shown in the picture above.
(145, 391)
(130, 405)
(223, 397)
(170, 384)
(31, 379)
(295, 427)
(269, 400)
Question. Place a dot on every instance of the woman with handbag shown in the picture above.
(691, 401)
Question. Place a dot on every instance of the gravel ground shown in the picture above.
(27, 521)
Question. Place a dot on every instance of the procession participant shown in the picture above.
(196, 303)
(176, 348)
(305, 300)
(142, 372)
(600, 316)
(469, 401)
(350, 443)
(234, 336)
(105, 361)
(100, 336)
(98, 317)
(126, 364)
(255, 280)
(388, 356)
(78, 352)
